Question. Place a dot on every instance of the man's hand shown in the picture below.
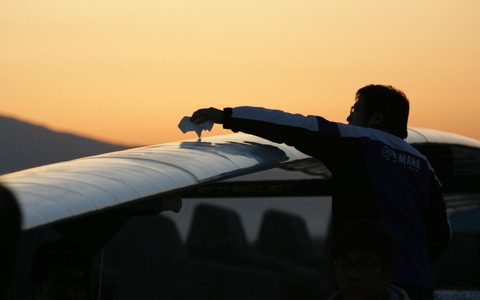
(207, 114)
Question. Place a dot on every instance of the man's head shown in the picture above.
(60, 270)
(381, 106)
(10, 231)
(363, 259)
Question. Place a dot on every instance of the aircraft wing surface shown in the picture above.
(62, 191)
(67, 190)
(418, 135)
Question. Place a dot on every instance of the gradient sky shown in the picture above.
(128, 71)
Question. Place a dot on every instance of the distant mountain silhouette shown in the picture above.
(24, 145)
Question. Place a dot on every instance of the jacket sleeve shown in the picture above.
(312, 135)
(437, 223)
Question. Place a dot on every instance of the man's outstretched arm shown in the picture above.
(207, 114)
(275, 125)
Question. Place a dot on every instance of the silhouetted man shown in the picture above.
(376, 174)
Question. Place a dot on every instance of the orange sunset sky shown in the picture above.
(128, 71)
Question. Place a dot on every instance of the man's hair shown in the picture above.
(10, 232)
(365, 236)
(60, 252)
(391, 102)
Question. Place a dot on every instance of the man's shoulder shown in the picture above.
(347, 130)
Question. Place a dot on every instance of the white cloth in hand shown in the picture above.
(186, 125)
